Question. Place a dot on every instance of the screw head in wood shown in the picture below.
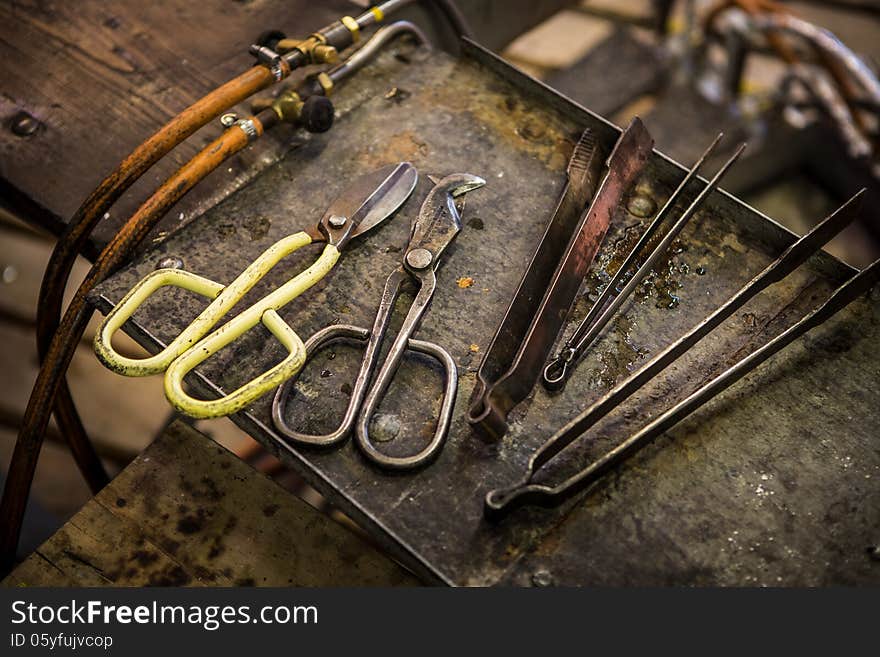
(24, 124)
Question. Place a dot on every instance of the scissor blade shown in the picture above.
(375, 196)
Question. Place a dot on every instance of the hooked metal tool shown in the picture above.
(366, 204)
(436, 225)
(512, 363)
(529, 491)
(561, 366)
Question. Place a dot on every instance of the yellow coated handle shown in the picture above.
(262, 311)
(224, 299)
(191, 347)
(129, 305)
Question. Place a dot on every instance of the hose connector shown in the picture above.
(314, 49)
(315, 113)
(272, 60)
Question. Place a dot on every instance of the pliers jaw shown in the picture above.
(438, 221)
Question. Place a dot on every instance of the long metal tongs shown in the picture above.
(513, 362)
(526, 492)
(558, 370)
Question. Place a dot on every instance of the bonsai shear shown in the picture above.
(367, 203)
(437, 224)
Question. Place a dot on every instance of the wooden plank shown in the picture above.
(188, 513)
(36, 571)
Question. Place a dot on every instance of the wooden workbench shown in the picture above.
(188, 513)
(97, 78)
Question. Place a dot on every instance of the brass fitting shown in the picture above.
(326, 83)
(315, 48)
(288, 106)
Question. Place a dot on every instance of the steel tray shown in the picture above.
(777, 482)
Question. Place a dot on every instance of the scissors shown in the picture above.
(367, 203)
(436, 225)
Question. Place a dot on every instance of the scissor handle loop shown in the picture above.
(127, 307)
(262, 311)
(355, 411)
(247, 393)
(282, 395)
(192, 346)
(224, 298)
(432, 449)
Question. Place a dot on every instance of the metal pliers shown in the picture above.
(437, 224)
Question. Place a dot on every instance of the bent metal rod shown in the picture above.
(499, 502)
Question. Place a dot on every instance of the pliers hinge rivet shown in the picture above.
(419, 258)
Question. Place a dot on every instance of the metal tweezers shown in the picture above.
(560, 368)
(499, 502)
(514, 359)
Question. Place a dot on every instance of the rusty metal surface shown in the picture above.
(775, 482)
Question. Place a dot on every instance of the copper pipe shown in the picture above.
(131, 168)
(64, 341)
(775, 19)
(849, 73)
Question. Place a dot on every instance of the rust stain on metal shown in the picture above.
(404, 146)
(524, 125)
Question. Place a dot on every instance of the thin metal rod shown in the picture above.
(370, 16)
(842, 297)
(524, 492)
(375, 44)
(557, 371)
